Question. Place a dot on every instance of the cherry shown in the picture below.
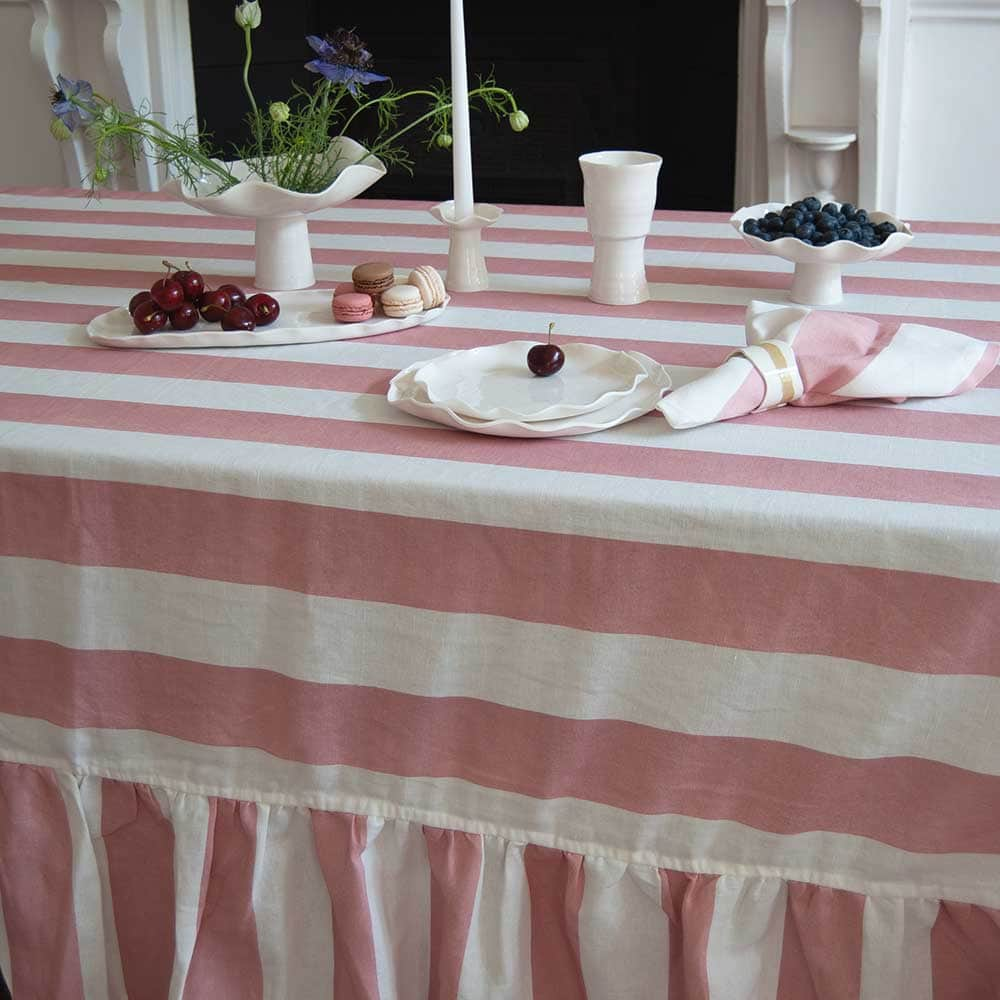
(546, 359)
(238, 318)
(149, 318)
(214, 305)
(235, 293)
(137, 300)
(265, 308)
(192, 283)
(184, 316)
(167, 293)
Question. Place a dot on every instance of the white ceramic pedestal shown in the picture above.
(283, 256)
(816, 284)
(619, 194)
(466, 264)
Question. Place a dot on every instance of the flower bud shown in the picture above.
(110, 114)
(248, 14)
(101, 174)
(518, 121)
(59, 129)
(444, 140)
(279, 111)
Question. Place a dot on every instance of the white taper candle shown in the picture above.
(461, 150)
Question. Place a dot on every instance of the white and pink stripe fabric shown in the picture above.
(303, 697)
(807, 357)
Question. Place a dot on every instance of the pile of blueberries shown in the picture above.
(817, 224)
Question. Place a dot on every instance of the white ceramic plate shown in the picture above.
(495, 383)
(305, 318)
(408, 395)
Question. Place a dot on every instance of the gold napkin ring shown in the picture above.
(775, 360)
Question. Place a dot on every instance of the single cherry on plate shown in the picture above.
(214, 305)
(238, 318)
(546, 359)
(264, 307)
(137, 300)
(184, 316)
(168, 293)
(149, 318)
(192, 283)
(235, 293)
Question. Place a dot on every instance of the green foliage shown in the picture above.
(291, 144)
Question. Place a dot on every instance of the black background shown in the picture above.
(632, 79)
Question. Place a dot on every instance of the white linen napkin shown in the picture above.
(813, 358)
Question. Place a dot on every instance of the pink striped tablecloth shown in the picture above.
(303, 697)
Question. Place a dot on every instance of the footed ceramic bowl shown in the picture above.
(817, 279)
(283, 254)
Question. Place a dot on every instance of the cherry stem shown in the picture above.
(551, 328)
(169, 266)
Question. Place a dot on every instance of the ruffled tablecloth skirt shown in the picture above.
(117, 889)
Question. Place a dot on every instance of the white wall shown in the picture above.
(949, 149)
(918, 80)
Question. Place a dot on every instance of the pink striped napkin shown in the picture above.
(813, 358)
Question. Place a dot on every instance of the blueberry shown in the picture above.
(844, 233)
(862, 216)
(750, 226)
(853, 225)
(867, 231)
(826, 222)
(773, 225)
(792, 223)
(798, 205)
(831, 209)
(765, 236)
(841, 219)
(812, 203)
(847, 209)
(805, 231)
(885, 228)
(771, 215)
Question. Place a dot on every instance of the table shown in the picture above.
(303, 697)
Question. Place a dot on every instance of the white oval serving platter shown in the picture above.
(306, 318)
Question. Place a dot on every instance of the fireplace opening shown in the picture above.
(638, 77)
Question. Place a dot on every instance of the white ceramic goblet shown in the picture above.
(619, 194)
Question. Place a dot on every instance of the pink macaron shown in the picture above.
(352, 307)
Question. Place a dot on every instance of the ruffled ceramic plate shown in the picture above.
(494, 382)
(406, 394)
(305, 318)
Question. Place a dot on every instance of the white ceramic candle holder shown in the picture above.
(619, 194)
(466, 264)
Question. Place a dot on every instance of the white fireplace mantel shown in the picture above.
(915, 80)
(137, 52)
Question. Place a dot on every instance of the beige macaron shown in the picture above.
(402, 300)
(428, 282)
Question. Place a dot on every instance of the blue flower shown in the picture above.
(73, 102)
(342, 59)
